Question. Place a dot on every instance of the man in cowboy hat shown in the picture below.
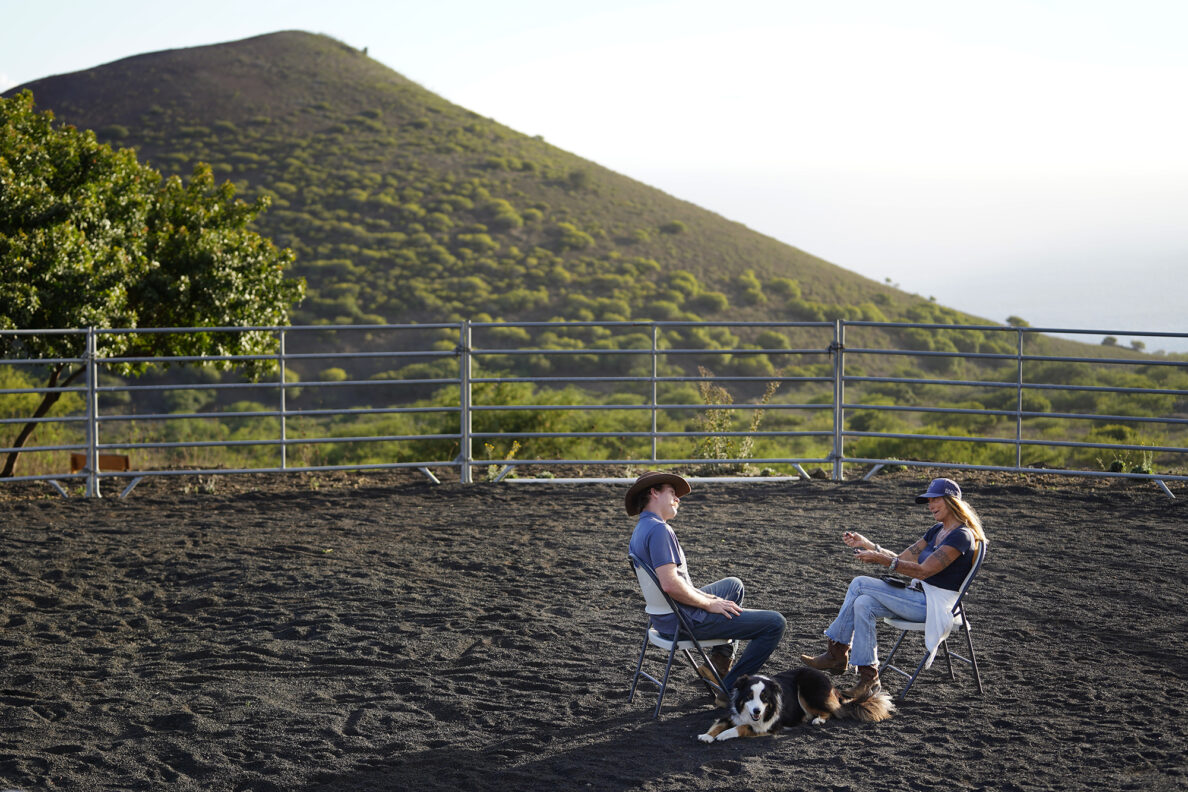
(715, 611)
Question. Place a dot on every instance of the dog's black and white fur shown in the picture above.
(762, 705)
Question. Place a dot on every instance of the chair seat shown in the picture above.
(904, 624)
(657, 639)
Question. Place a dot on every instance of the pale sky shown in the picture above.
(1015, 157)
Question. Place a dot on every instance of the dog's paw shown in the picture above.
(818, 721)
(706, 738)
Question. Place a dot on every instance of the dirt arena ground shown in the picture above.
(372, 633)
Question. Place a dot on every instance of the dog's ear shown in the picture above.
(742, 680)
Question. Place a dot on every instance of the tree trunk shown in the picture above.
(47, 401)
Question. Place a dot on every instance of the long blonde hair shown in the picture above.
(967, 515)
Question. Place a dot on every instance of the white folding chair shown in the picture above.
(659, 603)
(960, 621)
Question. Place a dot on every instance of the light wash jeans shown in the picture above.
(762, 628)
(868, 600)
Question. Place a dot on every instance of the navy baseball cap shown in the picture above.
(940, 488)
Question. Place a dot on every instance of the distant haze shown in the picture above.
(1057, 256)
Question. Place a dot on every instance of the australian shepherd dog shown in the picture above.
(762, 705)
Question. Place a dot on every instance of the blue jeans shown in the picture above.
(868, 600)
(762, 628)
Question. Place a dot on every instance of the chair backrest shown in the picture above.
(979, 556)
(658, 603)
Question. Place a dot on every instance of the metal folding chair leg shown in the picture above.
(889, 666)
(949, 660)
(664, 684)
(972, 661)
(894, 649)
(639, 672)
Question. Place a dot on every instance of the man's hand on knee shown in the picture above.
(728, 608)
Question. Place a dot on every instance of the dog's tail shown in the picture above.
(871, 708)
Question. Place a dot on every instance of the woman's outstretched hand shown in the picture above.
(857, 541)
(869, 556)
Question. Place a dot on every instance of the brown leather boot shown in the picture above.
(835, 659)
(868, 683)
(721, 662)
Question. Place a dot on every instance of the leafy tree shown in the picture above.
(89, 237)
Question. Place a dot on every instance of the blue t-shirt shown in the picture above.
(654, 543)
(960, 538)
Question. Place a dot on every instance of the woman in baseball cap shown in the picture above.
(937, 563)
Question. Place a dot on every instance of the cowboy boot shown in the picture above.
(722, 662)
(868, 683)
(835, 659)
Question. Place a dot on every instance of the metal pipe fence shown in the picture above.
(597, 394)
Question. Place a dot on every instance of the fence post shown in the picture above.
(92, 487)
(1019, 401)
(464, 397)
(839, 394)
(284, 428)
(655, 373)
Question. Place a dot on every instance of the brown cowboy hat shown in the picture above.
(654, 478)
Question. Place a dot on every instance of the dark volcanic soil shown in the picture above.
(375, 633)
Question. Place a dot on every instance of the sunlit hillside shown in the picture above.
(404, 207)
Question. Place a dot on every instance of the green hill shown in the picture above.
(403, 207)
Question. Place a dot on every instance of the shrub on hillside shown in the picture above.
(502, 216)
(751, 288)
(876, 420)
(569, 237)
(660, 310)
(753, 365)
(578, 179)
(438, 221)
(509, 336)
(521, 300)
(786, 288)
(770, 339)
(710, 302)
(332, 374)
(869, 312)
(683, 281)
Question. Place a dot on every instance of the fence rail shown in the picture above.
(447, 394)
